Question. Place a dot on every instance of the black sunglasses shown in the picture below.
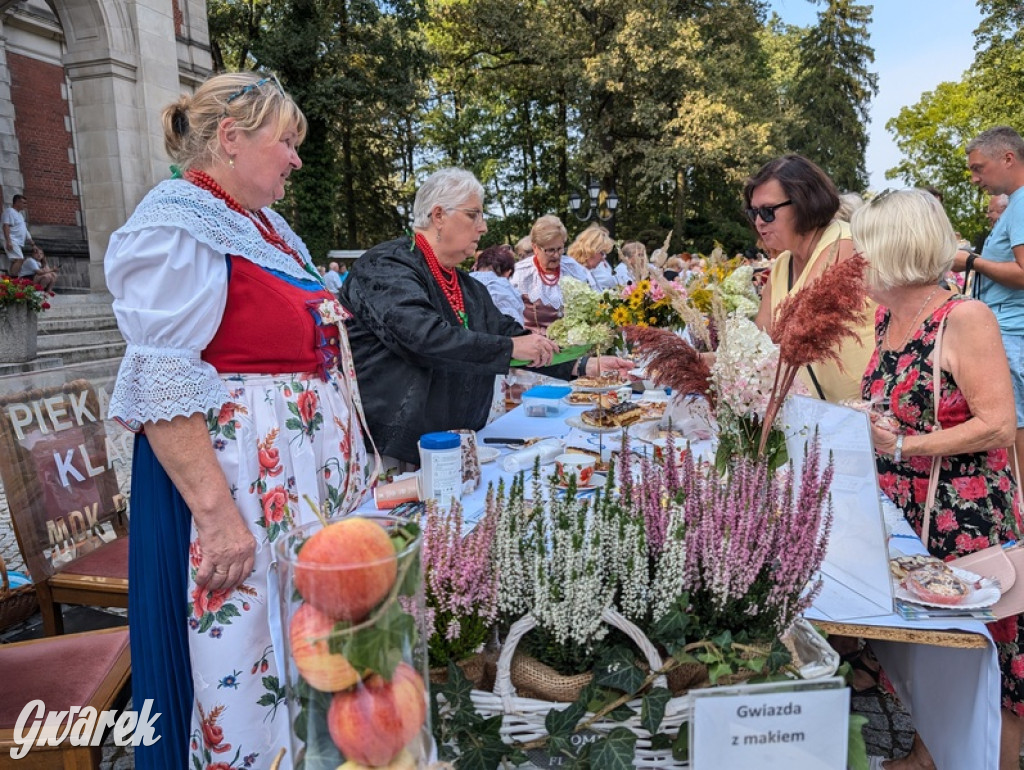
(767, 213)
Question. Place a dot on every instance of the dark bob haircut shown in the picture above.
(814, 195)
(498, 259)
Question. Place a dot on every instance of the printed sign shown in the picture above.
(787, 725)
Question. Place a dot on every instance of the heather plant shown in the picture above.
(461, 581)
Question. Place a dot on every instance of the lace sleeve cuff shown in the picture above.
(162, 383)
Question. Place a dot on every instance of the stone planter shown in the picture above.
(17, 333)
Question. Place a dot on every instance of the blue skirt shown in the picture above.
(157, 609)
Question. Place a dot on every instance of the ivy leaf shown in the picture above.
(614, 752)
(719, 670)
(723, 640)
(671, 628)
(778, 657)
(621, 713)
(652, 709)
(457, 689)
(681, 745)
(661, 742)
(559, 745)
(563, 722)
(379, 647)
(480, 756)
(856, 750)
(618, 669)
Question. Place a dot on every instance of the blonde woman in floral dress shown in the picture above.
(239, 377)
(909, 245)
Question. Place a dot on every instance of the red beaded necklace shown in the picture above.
(266, 229)
(548, 279)
(446, 278)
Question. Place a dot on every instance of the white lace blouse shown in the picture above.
(528, 283)
(167, 269)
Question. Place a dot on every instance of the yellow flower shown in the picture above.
(620, 316)
(652, 320)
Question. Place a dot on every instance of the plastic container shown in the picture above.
(545, 400)
(355, 663)
(441, 467)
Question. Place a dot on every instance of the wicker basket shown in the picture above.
(523, 718)
(18, 604)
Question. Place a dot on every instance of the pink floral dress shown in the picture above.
(974, 502)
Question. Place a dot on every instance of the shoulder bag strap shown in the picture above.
(933, 479)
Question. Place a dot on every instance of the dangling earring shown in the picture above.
(231, 161)
(439, 235)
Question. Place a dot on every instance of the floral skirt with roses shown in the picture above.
(279, 439)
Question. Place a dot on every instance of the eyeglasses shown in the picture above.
(552, 250)
(253, 86)
(767, 213)
(475, 214)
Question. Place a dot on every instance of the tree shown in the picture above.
(834, 89)
(932, 135)
(354, 67)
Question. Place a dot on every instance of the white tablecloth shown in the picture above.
(953, 694)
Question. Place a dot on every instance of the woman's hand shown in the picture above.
(883, 439)
(535, 348)
(228, 551)
(599, 365)
(182, 445)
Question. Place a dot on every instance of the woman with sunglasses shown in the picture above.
(792, 205)
(538, 279)
(236, 370)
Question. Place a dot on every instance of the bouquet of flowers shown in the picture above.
(22, 291)
(583, 321)
(645, 303)
(729, 280)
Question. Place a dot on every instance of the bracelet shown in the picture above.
(969, 265)
(582, 366)
(897, 456)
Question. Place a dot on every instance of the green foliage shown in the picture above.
(834, 88)
(857, 750)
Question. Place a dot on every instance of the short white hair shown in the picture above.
(447, 188)
(906, 238)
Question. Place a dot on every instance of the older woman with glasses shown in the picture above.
(792, 205)
(427, 339)
(236, 370)
(538, 279)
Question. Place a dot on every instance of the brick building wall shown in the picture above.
(42, 123)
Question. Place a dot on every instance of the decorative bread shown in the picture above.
(607, 380)
(936, 584)
(617, 416)
(899, 566)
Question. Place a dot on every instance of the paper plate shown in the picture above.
(985, 596)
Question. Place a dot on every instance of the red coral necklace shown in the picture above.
(446, 278)
(548, 279)
(206, 182)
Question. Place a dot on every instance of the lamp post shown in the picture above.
(610, 203)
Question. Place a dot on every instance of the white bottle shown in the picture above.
(441, 467)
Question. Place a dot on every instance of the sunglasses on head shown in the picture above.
(767, 213)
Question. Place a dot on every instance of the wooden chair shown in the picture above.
(69, 516)
(90, 669)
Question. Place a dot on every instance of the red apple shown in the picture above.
(372, 722)
(320, 667)
(347, 568)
